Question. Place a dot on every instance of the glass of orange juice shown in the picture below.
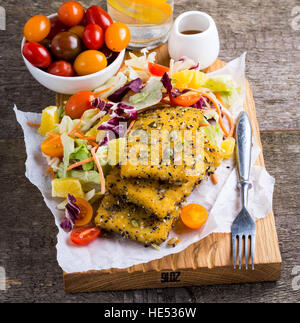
(149, 20)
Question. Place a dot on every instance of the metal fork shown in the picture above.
(243, 225)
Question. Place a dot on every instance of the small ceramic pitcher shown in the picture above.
(202, 47)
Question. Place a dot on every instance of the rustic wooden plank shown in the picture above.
(206, 262)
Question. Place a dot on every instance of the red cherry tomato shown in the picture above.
(61, 68)
(37, 28)
(71, 13)
(56, 27)
(93, 36)
(96, 15)
(157, 70)
(79, 103)
(117, 36)
(186, 100)
(84, 236)
(37, 55)
(66, 46)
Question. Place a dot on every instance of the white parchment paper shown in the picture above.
(222, 201)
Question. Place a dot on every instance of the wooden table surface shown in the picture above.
(269, 30)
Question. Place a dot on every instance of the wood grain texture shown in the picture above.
(204, 263)
(28, 236)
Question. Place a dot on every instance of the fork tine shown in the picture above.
(246, 251)
(252, 249)
(234, 250)
(240, 250)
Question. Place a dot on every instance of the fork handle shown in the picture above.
(244, 145)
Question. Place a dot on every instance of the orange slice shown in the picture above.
(146, 11)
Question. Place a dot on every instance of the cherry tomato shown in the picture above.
(66, 46)
(186, 100)
(93, 36)
(37, 28)
(47, 44)
(61, 68)
(96, 15)
(84, 236)
(37, 55)
(53, 147)
(56, 27)
(89, 62)
(109, 54)
(157, 70)
(194, 216)
(117, 36)
(78, 30)
(78, 103)
(86, 212)
(71, 13)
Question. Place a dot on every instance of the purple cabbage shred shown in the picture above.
(102, 105)
(135, 86)
(71, 214)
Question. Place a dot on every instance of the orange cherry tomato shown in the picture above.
(186, 100)
(86, 212)
(194, 216)
(117, 36)
(79, 103)
(37, 28)
(78, 30)
(89, 62)
(71, 13)
(157, 70)
(85, 235)
(53, 147)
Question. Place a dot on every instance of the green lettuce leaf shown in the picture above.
(82, 153)
(69, 147)
(150, 95)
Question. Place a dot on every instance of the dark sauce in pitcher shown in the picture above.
(191, 32)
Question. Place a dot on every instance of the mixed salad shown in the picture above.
(85, 138)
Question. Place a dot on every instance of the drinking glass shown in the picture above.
(149, 20)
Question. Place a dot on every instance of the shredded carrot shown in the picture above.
(137, 68)
(230, 120)
(130, 126)
(75, 128)
(218, 111)
(33, 124)
(82, 136)
(214, 178)
(51, 171)
(94, 144)
(102, 179)
(52, 135)
(103, 91)
(218, 95)
(80, 163)
(204, 125)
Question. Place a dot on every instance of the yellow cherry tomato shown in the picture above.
(37, 28)
(78, 30)
(86, 212)
(117, 36)
(228, 147)
(89, 62)
(194, 216)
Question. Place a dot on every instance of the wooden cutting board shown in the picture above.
(206, 262)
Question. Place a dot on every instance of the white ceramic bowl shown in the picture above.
(71, 85)
(203, 47)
